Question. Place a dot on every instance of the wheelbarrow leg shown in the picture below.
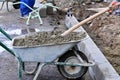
(38, 15)
(7, 6)
(28, 20)
(2, 5)
(20, 68)
(78, 56)
(38, 71)
(33, 71)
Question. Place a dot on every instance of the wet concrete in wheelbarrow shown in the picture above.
(10, 22)
(47, 38)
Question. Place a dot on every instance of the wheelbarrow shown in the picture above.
(35, 12)
(71, 63)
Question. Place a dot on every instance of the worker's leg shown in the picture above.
(24, 10)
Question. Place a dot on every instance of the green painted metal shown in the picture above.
(6, 48)
(35, 12)
(24, 4)
(20, 67)
(71, 64)
(7, 35)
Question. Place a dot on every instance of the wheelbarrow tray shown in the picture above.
(43, 53)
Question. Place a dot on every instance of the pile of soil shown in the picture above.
(105, 30)
(65, 3)
(47, 38)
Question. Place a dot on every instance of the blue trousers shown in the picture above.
(25, 10)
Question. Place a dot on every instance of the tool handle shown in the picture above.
(88, 19)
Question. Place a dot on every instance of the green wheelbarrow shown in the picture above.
(71, 63)
(35, 12)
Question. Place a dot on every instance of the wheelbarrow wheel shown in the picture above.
(72, 72)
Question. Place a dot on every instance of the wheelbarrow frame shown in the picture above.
(35, 12)
(20, 63)
(21, 66)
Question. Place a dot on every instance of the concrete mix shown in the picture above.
(47, 38)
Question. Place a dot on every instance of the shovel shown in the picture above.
(88, 19)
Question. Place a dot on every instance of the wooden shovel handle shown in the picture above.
(86, 20)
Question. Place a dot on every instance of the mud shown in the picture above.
(47, 38)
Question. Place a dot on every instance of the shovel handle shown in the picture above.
(88, 19)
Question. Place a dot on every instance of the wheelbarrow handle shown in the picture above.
(88, 19)
(7, 35)
(20, 66)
